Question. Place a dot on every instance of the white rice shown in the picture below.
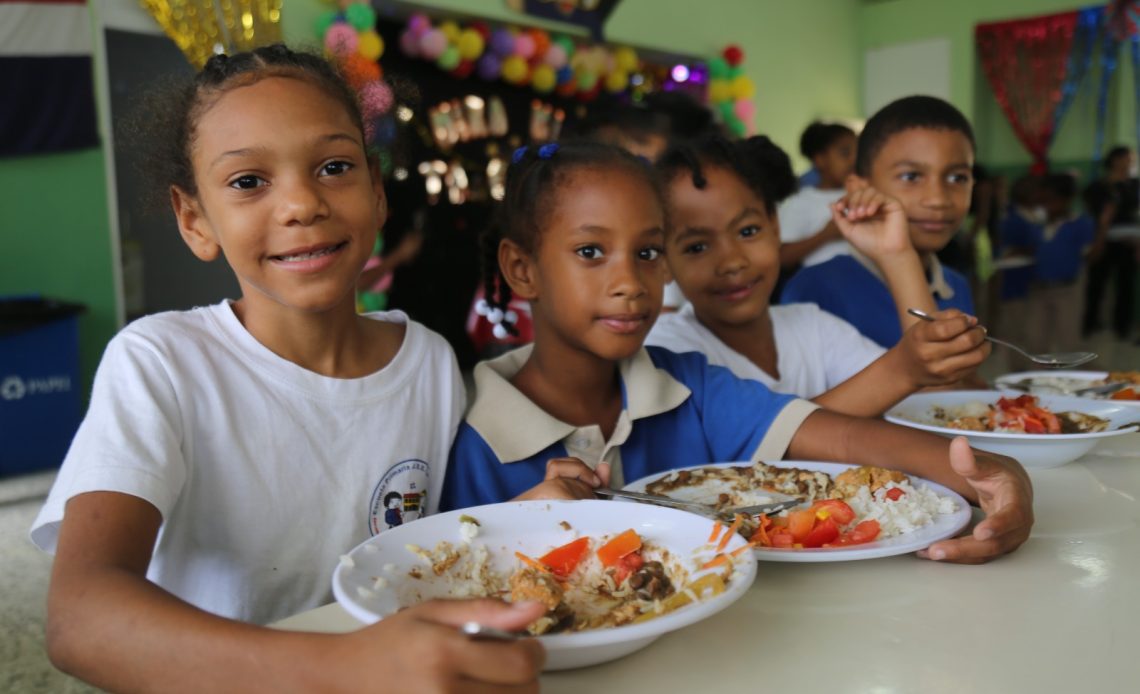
(916, 508)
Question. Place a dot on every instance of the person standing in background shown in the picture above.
(1119, 192)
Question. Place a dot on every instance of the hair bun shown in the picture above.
(773, 164)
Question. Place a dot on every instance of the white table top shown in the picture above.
(1062, 614)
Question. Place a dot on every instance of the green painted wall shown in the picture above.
(802, 54)
(53, 222)
(887, 22)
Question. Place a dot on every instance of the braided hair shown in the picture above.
(536, 178)
(164, 128)
(759, 162)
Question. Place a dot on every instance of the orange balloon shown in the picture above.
(541, 42)
(359, 71)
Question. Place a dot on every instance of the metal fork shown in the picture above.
(1056, 360)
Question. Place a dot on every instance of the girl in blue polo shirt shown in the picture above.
(723, 250)
(587, 404)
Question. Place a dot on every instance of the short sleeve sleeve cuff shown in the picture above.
(775, 443)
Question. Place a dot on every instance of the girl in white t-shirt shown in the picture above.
(808, 235)
(723, 251)
(231, 453)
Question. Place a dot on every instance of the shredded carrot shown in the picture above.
(715, 561)
(716, 532)
(731, 531)
(741, 550)
(533, 563)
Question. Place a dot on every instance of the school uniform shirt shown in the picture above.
(1018, 228)
(677, 411)
(851, 287)
(1058, 247)
(264, 472)
(806, 213)
(815, 351)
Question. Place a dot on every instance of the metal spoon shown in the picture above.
(1055, 360)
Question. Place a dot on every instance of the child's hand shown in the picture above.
(943, 351)
(421, 649)
(872, 222)
(568, 478)
(1006, 496)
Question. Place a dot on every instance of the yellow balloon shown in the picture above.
(617, 81)
(543, 80)
(720, 90)
(451, 30)
(743, 88)
(370, 45)
(514, 69)
(625, 59)
(470, 44)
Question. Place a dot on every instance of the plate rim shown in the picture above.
(873, 550)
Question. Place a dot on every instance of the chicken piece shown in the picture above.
(848, 482)
(532, 585)
(968, 424)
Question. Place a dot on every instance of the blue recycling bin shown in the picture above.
(40, 386)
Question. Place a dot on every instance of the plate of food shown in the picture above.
(1068, 382)
(850, 512)
(614, 576)
(1040, 431)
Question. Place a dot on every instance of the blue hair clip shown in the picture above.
(547, 151)
(518, 155)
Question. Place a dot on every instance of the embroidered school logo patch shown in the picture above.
(400, 497)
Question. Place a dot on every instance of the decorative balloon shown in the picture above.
(202, 28)
(730, 91)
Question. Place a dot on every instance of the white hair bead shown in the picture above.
(482, 307)
(495, 315)
(511, 317)
(499, 332)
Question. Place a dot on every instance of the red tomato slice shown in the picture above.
(782, 539)
(615, 549)
(562, 560)
(834, 508)
(894, 493)
(800, 524)
(862, 533)
(627, 565)
(1032, 425)
(827, 530)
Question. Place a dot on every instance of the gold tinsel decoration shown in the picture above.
(202, 28)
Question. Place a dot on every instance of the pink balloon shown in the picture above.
(524, 46)
(555, 56)
(341, 39)
(418, 24)
(433, 44)
(409, 43)
(745, 110)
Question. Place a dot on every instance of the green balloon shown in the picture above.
(727, 110)
(718, 69)
(449, 60)
(361, 16)
(736, 126)
(324, 21)
(735, 71)
(566, 43)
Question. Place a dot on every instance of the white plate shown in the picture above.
(1031, 450)
(943, 526)
(1088, 378)
(532, 527)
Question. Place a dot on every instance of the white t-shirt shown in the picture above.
(816, 351)
(804, 214)
(264, 472)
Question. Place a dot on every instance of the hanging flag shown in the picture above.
(47, 99)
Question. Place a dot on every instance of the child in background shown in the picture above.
(723, 251)
(587, 404)
(1024, 219)
(212, 483)
(1058, 248)
(808, 235)
(919, 152)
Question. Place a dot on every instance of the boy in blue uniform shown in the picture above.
(1058, 246)
(919, 151)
